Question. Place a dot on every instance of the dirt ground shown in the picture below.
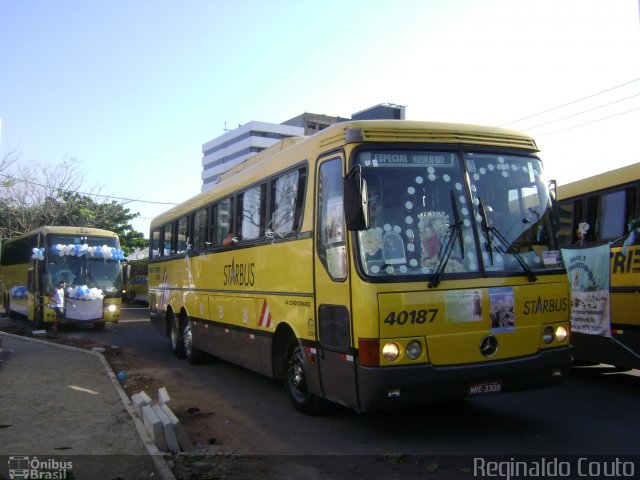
(214, 449)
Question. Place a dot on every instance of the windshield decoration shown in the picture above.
(433, 227)
(85, 293)
(438, 213)
(38, 254)
(19, 291)
(84, 250)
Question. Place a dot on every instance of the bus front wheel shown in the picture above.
(296, 383)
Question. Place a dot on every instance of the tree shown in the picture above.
(31, 198)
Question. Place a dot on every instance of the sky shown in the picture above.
(133, 89)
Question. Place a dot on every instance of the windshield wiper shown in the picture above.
(455, 232)
(488, 230)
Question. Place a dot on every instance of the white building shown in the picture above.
(228, 150)
(235, 146)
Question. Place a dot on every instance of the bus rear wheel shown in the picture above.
(296, 383)
(177, 345)
(194, 356)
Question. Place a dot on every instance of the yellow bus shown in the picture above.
(87, 259)
(608, 203)
(135, 280)
(375, 264)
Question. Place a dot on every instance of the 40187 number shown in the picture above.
(411, 317)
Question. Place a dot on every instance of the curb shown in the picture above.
(157, 457)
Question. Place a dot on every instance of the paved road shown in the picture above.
(594, 412)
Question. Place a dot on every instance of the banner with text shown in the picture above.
(588, 272)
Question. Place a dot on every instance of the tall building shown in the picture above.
(313, 122)
(235, 146)
(382, 111)
(230, 149)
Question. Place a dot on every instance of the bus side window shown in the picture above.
(223, 218)
(155, 243)
(199, 220)
(182, 234)
(287, 197)
(606, 217)
(166, 241)
(569, 216)
(251, 216)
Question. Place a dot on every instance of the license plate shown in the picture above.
(485, 388)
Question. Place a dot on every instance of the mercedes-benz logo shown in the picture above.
(489, 346)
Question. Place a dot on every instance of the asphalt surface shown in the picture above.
(62, 411)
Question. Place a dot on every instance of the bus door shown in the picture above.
(32, 296)
(334, 331)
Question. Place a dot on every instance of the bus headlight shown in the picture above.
(391, 351)
(112, 308)
(561, 333)
(413, 349)
(547, 335)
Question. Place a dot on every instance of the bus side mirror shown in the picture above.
(356, 203)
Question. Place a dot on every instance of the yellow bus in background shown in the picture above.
(87, 259)
(375, 264)
(136, 280)
(608, 203)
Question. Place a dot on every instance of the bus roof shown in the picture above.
(612, 178)
(63, 230)
(338, 134)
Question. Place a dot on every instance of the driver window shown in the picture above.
(331, 227)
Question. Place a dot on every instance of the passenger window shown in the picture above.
(252, 213)
(167, 240)
(569, 216)
(182, 235)
(287, 196)
(607, 216)
(155, 243)
(199, 220)
(223, 222)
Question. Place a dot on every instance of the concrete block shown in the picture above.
(163, 396)
(169, 432)
(169, 413)
(146, 397)
(181, 433)
(139, 401)
(154, 427)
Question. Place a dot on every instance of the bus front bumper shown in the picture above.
(402, 386)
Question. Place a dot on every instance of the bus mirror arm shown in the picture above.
(356, 202)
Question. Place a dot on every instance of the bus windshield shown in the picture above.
(426, 216)
(83, 270)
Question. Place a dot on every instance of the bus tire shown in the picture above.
(98, 325)
(7, 306)
(175, 333)
(194, 356)
(295, 381)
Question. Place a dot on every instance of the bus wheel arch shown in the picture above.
(281, 339)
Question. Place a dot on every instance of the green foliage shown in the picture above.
(26, 204)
